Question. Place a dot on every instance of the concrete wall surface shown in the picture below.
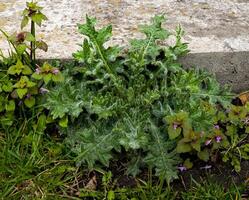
(210, 25)
(231, 68)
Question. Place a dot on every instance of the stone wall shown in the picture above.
(210, 25)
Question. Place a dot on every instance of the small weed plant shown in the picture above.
(22, 82)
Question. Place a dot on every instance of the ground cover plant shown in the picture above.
(74, 130)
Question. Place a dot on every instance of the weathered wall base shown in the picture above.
(229, 67)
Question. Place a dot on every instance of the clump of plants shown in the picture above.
(23, 86)
(234, 127)
(138, 101)
(23, 82)
(132, 105)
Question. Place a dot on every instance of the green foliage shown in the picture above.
(19, 41)
(133, 99)
(24, 168)
(227, 134)
(19, 68)
(47, 73)
(149, 190)
(22, 86)
(32, 12)
(209, 189)
(161, 156)
(93, 143)
(94, 53)
(178, 123)
(235, 132)
(33, 166)
(136, 105)
(144, 51)
(65, 99)
(137, 102)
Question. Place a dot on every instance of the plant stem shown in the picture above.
(32, 44)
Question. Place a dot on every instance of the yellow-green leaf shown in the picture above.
(10, 106)
(12, 70)
(30, 37)
(21, 48)
(25, 21)
(183, 147)
(204, 155)
(41, 124)
(174, 133)
(196, 145)
(26, 70)
(36, 76)
(47, 78)
(30, 84)
(29, 102)
(188, 164)
(21, 92)
(42, 45)
(8, 87)
(57, 77)
(63, 122)
(38, 17)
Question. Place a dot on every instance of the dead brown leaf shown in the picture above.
(92, 184)
(244, 97)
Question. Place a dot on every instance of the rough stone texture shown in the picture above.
(231, 68)
(211, 25)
